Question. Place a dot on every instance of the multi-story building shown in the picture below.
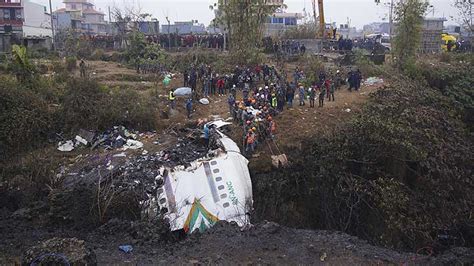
(280, 22)
(11, 23)
(80, 15)
(276, 23)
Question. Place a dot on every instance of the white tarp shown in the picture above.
(216, 189)
(184, 91)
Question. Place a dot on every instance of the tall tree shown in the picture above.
(244, 20)
(409, 19)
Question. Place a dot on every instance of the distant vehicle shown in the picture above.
(381, 38)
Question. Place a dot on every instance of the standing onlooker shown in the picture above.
(189, 106)
(312, 96)
(322, 94)
(301, 93)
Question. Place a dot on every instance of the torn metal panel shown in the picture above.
(211, 190)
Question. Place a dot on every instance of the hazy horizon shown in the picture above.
(357, 12)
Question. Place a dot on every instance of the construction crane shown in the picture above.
(322, 24)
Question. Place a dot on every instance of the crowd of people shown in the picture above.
(173, 40)
(289, 47)
(255, 96)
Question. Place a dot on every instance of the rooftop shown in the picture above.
(77, 2)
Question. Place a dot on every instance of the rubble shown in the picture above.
(372, 81)
(61, 251)
(114, 138)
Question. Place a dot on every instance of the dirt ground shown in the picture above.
(293, 125)
(265, 243)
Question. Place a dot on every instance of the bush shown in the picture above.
(91, 106)
(98, 54)
(28, 116)
(71, 63)
(25, 119)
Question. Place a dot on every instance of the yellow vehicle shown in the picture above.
(446, 39)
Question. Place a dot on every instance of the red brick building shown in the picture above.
(11, 23)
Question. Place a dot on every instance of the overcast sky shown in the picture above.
(358, 12)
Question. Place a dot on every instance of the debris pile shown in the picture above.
(186, 177)
(373, 81)
(114, 138)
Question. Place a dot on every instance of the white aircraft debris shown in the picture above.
(210, 190)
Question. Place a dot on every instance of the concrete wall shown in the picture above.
(35, 44)
(312, 45)
(93, 18)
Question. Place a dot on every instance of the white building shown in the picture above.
(81, 16)
(37, 20)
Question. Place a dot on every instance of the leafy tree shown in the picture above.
(243, 20)
(139, 51)
(136, 48)
(409, 19)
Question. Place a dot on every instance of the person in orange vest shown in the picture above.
(271, 127)
(250, 142)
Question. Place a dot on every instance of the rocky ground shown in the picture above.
(264, 243)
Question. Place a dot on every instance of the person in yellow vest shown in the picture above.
(172, 99)
(274, 100)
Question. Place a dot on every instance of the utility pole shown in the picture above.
(315, 16)
(52, 23)
(110, 17)
(390, 19)
(169, 36)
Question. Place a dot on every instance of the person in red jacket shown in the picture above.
(220, 86)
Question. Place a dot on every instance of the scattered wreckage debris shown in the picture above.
(117, 137)
(373, 81)
(187, 184)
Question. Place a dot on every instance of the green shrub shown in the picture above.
(398, 174)
(25, 119)
(71, 63)
(91, 106)
(98, 54)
